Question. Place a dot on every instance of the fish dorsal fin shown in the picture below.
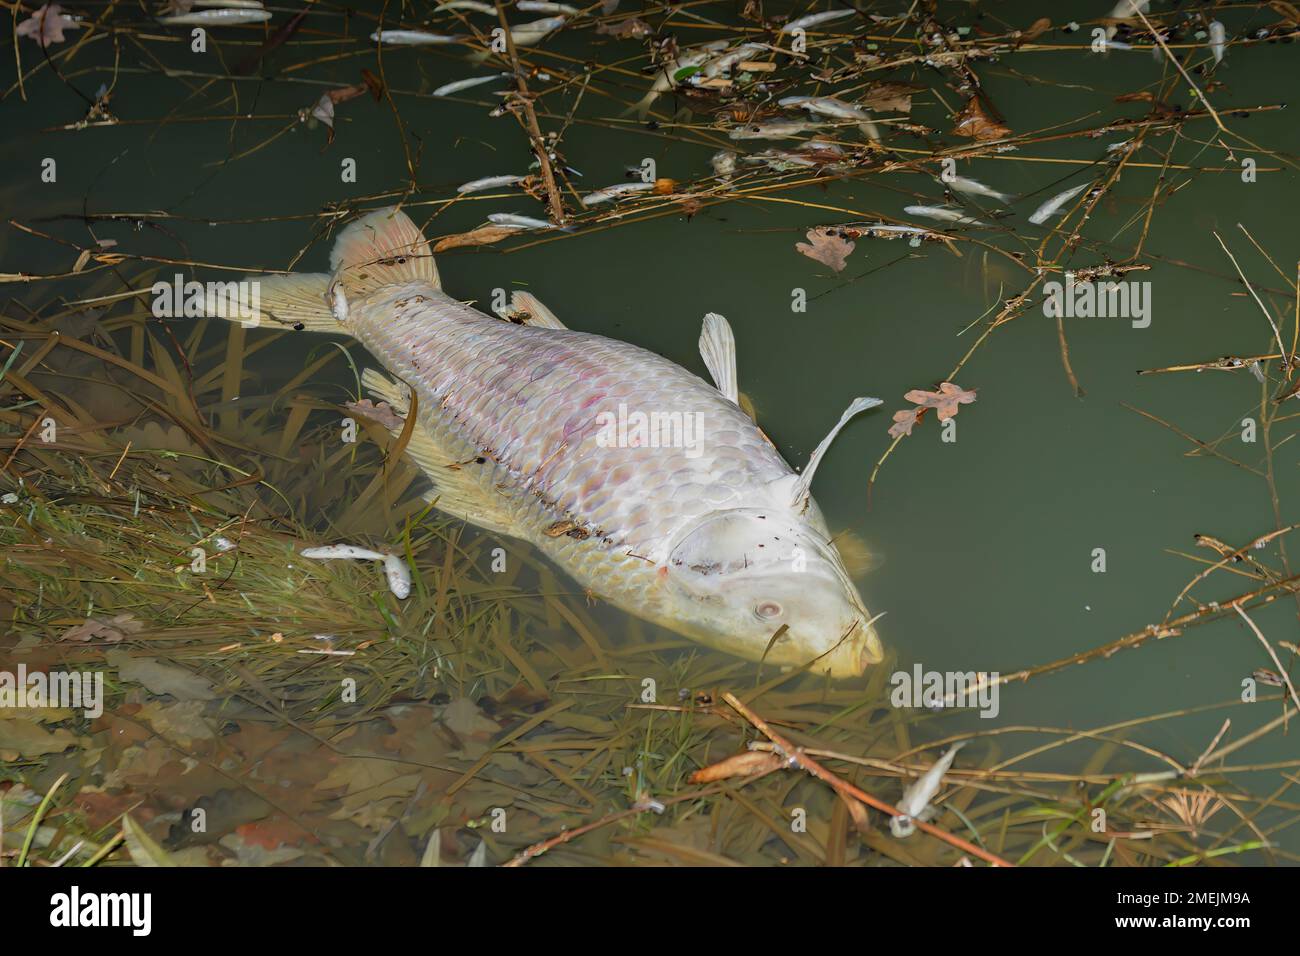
(538, 314)
(800, 486)
(455, 490)
(382, 248)
(718, 349)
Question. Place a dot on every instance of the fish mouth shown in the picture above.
(858, 650)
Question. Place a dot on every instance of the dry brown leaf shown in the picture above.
(827, 247)
(382, 413)
(945, 401)
(904, 421)
(482, 236)
(741, 765)
(889, 97)
(97, 629)
(1037, 29)
(632, 29)
(975, 122)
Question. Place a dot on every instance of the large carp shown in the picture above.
(646, 484)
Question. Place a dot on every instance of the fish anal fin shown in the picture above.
(455, 490)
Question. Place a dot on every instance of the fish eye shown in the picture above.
(768, 610)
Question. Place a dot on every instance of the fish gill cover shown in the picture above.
(252, 618)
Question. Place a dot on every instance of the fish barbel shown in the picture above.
(647, 485)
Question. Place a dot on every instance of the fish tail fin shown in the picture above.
(641, 108)
(292, 301)
(380, 249)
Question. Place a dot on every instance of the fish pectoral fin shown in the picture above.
(537, 314)
(455, 489)
(382, 248)
(801, 488)
(718, 349)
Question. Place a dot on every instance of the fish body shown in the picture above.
(1053, 205)
(472, 5)
(455, 86)
(943, 214)
(815, 19)
(488, 182)
(666, 76)
(542, 433)
(526, 34)
(776, 129)
(1218, 40)
(615, 192)
(226, 16)
(511, 220)
(412, 38)
(836, 109)
(973, 188)
(915, 804)
(541, 6)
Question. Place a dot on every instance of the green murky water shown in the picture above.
(984, 545)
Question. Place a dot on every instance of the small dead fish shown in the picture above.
(540, 6)
(1053, 205)
(455, 86)
(915, 804)
(473, 5)
(723, 163)
(614, 192)
(1218, 40)
(1270, 677)
(398, 574)
(666, 76)
(813, 19)
(488, 182)
(776, 129)
(836, 109)
(395, 568)
(412, 38)
(527, 34)
(225, 16)
(510, 220)
(722, 64)
(973, 188)
(943, 214)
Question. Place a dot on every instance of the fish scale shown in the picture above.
(528, 399)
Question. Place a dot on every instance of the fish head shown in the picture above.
(738, 576)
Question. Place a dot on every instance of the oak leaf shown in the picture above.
(827, 247)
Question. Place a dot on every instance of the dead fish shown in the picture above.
(614, 192)
(510, 220)
(396, 570)
(723, 163)
(974, 188)
(455, 86)
(775, 129)
(226, 16)
(943, 214)
(412, 38)
(671, 73)
(836, 109)
(541, 6)
(1126, 10)
(915, 804)
(514, 432)
(1218, 40)
(723, 64)
(1053, 205)
(813, 19)
(488, 182)
(526, 34)
(472, 5)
